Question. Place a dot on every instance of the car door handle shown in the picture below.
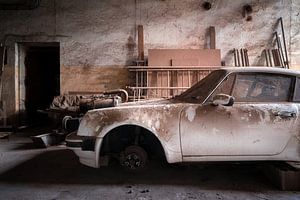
(286, 114)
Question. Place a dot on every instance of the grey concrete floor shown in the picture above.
(55, 173)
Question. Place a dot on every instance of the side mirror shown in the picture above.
(223, 99)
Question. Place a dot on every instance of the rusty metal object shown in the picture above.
(67, 110)
(83, 103)
(90, 103)
(120, 92)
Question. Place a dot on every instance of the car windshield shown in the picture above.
(203, 88)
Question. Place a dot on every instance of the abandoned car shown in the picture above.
(233, 114)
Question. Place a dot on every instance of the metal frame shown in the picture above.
(164, 87)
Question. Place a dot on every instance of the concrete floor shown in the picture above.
(55, 173)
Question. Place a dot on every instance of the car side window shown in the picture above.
(225, 87)
(262, 88)
(297, 90)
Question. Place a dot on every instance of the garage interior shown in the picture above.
(60, 59)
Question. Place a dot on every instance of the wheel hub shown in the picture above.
(132, 161)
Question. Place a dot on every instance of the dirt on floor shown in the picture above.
(54, 173)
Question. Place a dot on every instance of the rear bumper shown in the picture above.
(83, 147)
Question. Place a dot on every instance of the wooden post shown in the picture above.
(276, 58)
(242, 57)
(212, 34)
(140, 42)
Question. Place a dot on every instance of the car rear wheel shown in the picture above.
(134, 158)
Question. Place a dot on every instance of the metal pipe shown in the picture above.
(279, 48)
(121, 92)
(284, 44)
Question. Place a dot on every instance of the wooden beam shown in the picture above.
(276, 58)
(140, 42)
(212, 34)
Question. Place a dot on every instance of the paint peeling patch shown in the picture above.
(157, 124)
(255, 141)
(215, 131)
(97, 128)
(190, 113)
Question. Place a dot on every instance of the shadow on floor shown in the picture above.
(63, 167)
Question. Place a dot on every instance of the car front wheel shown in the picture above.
(134, 158)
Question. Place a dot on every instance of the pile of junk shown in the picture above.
(66, 111)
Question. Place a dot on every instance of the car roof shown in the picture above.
(272, 70)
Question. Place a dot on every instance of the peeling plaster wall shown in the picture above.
(97, 35)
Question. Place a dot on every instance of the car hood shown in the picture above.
(154, 115)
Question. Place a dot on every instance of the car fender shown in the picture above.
(171, 155)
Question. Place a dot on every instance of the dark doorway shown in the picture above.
(41, 79)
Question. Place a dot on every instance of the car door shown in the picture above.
(261, 121)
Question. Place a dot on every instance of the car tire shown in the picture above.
(134, 158)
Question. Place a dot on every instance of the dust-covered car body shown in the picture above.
(234, 114)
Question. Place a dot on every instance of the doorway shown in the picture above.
(39, 79)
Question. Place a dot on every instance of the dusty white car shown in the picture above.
(234, 114)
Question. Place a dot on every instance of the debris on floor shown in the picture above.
(4, 135)
(48, 139)
(284, 176)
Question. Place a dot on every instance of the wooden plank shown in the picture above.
(266, 56)
(270, 57)
(276, 58)
(163, 57)
(184, 62)
(242, 57)
(212, 35)
(140, 42)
